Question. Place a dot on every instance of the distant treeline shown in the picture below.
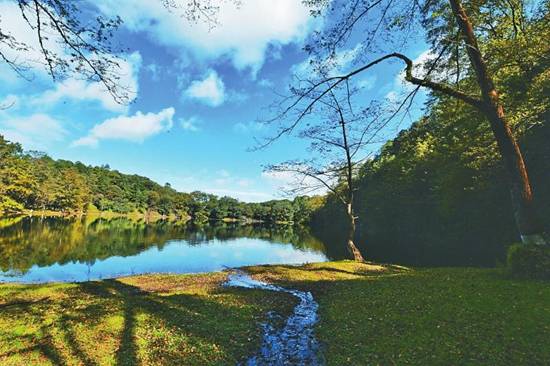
(437, 194)
(34, 181)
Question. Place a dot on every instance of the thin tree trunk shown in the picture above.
(529, 226)
(353, 250)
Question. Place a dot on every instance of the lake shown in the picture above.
(37, 250)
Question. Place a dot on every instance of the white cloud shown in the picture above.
(33, 132)
(367, 83)
(266, 83)
(30, 57)
(210, 91)
(248, 127)
(418, 70)
(154, 70)
(400, 86)
(341, 63)
(189, 124)
(221, 182)
(32, 60)
(134, 128)
(244, 33)
(224, 173)
(10, 101)
(286, 180)
(226, 179)
(81, 90)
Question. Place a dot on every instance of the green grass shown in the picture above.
(151, 320)
(446, 316)
(370, 314)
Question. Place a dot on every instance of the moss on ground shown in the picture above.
(370, 314)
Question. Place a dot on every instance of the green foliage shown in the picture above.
(8, 205)
(436, 194)
(529, 261)
(34, 181)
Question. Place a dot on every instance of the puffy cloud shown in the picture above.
(32, 60)
(243, 33)
(210, 91)
(30, 57)
(81, 90)
(134, 128)
(36, 131)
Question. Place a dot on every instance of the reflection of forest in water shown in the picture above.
(28, 241)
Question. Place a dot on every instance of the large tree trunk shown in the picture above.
(353, 250)
(529, 226)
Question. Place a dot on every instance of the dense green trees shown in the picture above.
(34, 181)
(434, 194)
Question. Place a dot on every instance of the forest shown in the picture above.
(438, 190)
(32, 181)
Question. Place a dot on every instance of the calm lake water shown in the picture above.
(34, 250)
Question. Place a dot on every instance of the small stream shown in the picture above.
(295, 342)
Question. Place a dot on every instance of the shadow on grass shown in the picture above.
(114, 322)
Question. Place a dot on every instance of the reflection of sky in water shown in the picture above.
(175, 257)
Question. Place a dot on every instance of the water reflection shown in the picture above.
(53, 249)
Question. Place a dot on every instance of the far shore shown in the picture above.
(136, 215)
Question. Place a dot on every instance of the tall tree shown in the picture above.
(447, 24)
(338, 133)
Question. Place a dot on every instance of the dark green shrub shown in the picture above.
(529, 261)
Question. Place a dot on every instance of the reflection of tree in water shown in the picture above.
(29, 241)
(298, 236)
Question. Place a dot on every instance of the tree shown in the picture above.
(74, 192)
(281, 212)
(153, 199)
(69, 44)
(338, 133)
(446, 25)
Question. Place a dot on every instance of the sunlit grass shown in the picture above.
(445, 316)
(156, 319)
(369, 314)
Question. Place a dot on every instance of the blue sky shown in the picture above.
(199, 93)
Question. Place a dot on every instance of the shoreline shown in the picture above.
(152, 217)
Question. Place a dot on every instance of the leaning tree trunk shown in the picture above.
(353, 250)
(529, 226)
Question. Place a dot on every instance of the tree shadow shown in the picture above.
(106, 318)
(179, 312)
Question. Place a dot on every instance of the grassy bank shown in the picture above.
(369, 315)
